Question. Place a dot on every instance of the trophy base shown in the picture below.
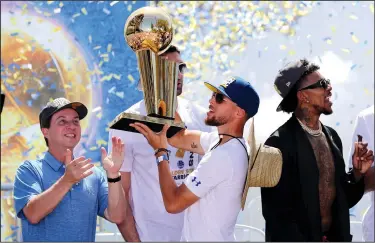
(123, 120)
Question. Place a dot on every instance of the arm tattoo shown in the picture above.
(193, 145)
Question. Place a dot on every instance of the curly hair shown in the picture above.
(290, 102)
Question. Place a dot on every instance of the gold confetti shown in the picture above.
(92, 148)
(109, 47)
(282, 47)
(56, 29)
(76, 15)
(61, 4)
(131, 79)
(352, 16)
(118, 77)
(84, 11)
(329, 41)
(101, 142)
(345, 50)
(97, 47)
(355, 39)
(113, 3)
(292, 52)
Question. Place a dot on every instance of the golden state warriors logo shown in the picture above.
(228, 82)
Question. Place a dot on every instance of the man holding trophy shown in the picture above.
(162, 80)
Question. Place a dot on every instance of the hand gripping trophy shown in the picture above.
(149, 32)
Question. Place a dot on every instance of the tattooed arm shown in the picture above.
(188, 140)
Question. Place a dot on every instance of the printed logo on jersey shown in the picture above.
(197, 183)
(180, 164)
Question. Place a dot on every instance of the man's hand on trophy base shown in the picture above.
(156, 140)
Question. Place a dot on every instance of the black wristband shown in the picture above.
(162, 149)
(113, 180)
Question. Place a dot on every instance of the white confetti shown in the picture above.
(106, 11)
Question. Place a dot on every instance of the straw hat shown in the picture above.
(265, 165)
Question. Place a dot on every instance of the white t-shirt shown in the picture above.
(218, 181)
(364, 126)
(153, 222)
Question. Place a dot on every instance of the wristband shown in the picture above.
(162, 149)
(114, 180)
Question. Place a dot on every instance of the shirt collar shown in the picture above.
(52, 161)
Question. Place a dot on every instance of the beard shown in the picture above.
(216, 122)
(323, 110)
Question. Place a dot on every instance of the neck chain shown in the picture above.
(238, 138)
(310, 131)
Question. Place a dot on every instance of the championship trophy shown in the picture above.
(148, 31)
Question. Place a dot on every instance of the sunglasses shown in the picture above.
(219, 98)
(182, 68)
(323, 83)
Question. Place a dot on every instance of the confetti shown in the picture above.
(353, 66)
(56, 29)
(355, 39)
(120, 94)
(90, 39)
(57, 10)
(109, 47)
(352, 16)
(106, 11)
(84, 11)
(76, 15)
(131, 79)
(113, 3)
(346, 50)
(96, 109)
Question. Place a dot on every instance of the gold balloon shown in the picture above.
(149, 28)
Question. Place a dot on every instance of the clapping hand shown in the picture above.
(112, 162)
(77, 169)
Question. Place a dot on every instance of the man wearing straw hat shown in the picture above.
(211, 194)
(312, 199)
